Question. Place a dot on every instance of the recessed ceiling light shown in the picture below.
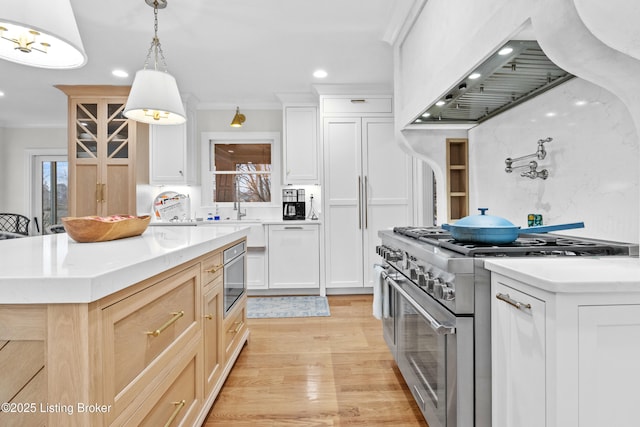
(474, 76)
(426, 114)
(120, 73)
(418, 121)
(505, 51)
(580, 103)
(1, 93)
(320, 74)
(440, 103)
(550, 114)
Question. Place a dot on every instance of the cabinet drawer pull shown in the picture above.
(292, 228)
(176, 315)
(208, 316)
(506, 298)
(214, 268)
(358, 101)
(237, 328)
(179, 406)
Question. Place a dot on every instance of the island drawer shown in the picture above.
(178, 405)
(234, 326)
(143, 333)
(212, 267)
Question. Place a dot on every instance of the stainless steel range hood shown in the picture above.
(517, 72)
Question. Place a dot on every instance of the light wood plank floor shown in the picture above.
(317, 371)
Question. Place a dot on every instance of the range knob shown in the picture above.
(391, 255)
(415, 272)
(444, 291)
(429, 281)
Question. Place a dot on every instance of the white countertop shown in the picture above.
(572, 274)
(56, 269)
(236, 222)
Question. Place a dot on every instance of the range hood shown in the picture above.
(517, 72)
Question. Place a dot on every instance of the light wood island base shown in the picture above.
(155, 353)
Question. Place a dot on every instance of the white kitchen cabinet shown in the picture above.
(571, 359)
(172, 152)
(367, 183)
(294, 256)
(256, 269)
(518, 363)
(300, 145)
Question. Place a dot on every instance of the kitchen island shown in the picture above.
(126, 332)
(565, 341)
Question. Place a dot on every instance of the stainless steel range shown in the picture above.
(437, 319)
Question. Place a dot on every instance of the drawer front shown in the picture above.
(357, 105)
(178, 404)
(234, 327)
(212, 267)
(212, 339)
(143, 332)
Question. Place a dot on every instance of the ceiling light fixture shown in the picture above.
(320, 74)
(474, 76)
(154, 97)
(120, 73)
(505, 51)
(41, 34)
(238, 119)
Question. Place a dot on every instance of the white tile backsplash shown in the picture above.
(593, 162)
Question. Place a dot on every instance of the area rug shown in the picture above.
(273, 307)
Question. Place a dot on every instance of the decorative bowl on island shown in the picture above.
(87, 229)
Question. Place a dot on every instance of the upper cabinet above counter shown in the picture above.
(300, 145)
(172, 150)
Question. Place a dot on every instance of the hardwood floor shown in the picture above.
(317, 371)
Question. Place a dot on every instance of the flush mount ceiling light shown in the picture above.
(154, 97)
(320, 74)
(40, 33)
(238, 119)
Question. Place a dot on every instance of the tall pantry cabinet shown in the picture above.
(367, 185)
(102, 148)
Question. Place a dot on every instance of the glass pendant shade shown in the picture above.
(40, 33)
(154, 99)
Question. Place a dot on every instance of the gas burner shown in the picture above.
(421, 233)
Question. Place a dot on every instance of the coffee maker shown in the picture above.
(293, 205)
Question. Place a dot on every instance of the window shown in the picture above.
(48, 178)
(240, 166)
(242, 172)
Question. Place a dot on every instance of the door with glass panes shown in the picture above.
(101, 157)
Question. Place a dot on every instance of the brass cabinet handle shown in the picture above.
(208, 316)
(506, 298)
(179, 406)
(176, 315)
(104, 190)
(236, 329)
(214, 268)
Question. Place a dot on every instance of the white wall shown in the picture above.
(592, 162)
(14, 196)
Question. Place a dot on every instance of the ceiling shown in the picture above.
(224, 53)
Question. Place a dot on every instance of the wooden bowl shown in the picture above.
(88, 229)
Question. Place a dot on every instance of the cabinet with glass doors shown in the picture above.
(102, 149)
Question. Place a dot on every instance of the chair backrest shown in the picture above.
(14, 223)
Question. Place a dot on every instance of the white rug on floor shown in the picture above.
(273, 307)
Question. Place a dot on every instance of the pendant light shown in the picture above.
(238, 119)
(154, 97)
(40, 33)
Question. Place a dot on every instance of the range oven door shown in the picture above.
(234, 278)
(433, 364)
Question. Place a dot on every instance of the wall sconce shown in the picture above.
(154, 97)
(41, 34)
(238, 119)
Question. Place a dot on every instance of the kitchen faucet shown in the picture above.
(236, 202)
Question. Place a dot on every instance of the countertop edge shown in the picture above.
(85, 290)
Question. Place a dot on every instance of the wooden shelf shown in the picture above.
(457, 178)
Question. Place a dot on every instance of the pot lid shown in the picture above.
(484, 220)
